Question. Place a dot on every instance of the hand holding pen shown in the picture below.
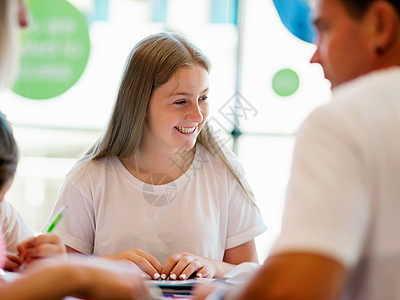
(57, 219)
(44, 245)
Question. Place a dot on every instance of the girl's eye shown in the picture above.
(180, 102)
(203, 98)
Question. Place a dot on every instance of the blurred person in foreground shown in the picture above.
(339, 236)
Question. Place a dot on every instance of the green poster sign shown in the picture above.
(285, 82)
(55, 49)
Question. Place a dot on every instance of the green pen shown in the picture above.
(57, 219)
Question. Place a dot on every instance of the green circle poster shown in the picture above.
(285, 82)
(55, 49)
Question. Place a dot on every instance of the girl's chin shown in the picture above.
(187, 146)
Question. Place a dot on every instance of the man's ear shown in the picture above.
(385, 25)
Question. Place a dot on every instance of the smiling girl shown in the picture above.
(157, 189)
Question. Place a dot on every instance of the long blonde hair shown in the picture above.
(151, 63)
(8, 41)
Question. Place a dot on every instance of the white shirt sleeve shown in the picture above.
(244, 221)
(244, 218)
(14, 227)
(77, 227)
(327, 206)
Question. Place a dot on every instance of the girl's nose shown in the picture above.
(194, 114)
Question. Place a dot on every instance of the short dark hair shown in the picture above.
(9, 153)
(357, 8)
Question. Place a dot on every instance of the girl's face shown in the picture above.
(177, 111)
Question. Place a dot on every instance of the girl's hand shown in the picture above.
(12, 262)
(145, 261)
(182, 265)
(42, 246)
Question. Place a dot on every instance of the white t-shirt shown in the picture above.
(14, 228)
(343, 198)
(203, 212)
